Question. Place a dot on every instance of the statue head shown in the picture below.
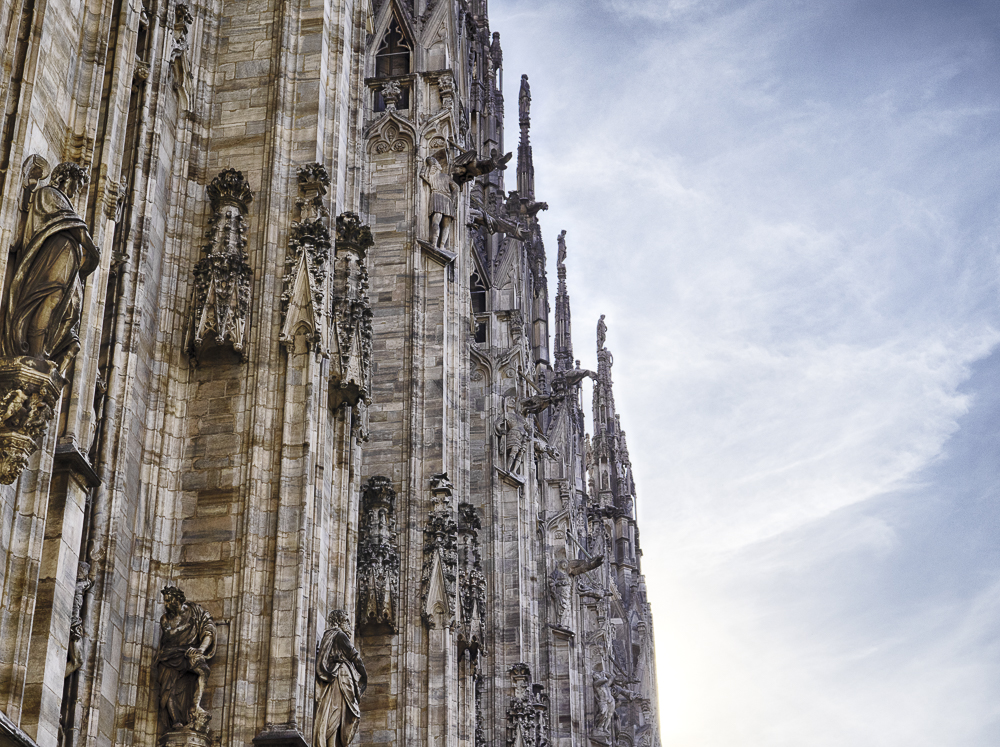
(173, 598)
(82, 570)
(340, 619)
(68, 178)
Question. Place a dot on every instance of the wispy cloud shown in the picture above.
(787, 211)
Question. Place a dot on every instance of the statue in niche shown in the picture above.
(86, 574)
(560, 587)
(341, 680)
(604, 700)
(442, 203)
(187, 642)
(512, 431)
(54, 255)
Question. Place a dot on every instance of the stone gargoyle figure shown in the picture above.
(341, 680)
(54, 255)
(187, 642)
(468, 165)
(442, 202)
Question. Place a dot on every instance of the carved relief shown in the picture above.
(351, 315)
(378, 556)
(305, 264)
(222, 278)
(390, 139)
(53, 254)
(187, 642)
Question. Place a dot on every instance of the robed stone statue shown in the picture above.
(341, 679)
(55, 254)
(187, 642)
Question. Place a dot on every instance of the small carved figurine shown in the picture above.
(341, 680)
(54, 255)
(187, 642)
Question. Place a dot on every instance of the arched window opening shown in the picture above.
(393, 59)
(478, 294)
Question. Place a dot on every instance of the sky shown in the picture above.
(788, 211)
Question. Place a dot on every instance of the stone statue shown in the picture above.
(86, 574)
(54, 255)
(602, 332)
(560, 587)
(605, 702)
(341, 680)
(442, 204)
(512, 431)
(187, 642)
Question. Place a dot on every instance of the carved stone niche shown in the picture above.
(53, 254)
(440, 570)
(223, 277)
(527, 711)
(351, 315)
(378, 557)
(471, 582)
(305, 264)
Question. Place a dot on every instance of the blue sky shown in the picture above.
(789, 213)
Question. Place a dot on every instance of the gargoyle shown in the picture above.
(468, 165)
(582, 565)
(517, 205)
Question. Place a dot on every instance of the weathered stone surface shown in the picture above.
(372, 420)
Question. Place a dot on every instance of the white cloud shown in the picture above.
(787, 211)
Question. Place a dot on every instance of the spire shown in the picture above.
(525, 166)
(614, 469)
(564, 338)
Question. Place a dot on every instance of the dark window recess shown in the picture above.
(391, 60)
(478, 294)
(481, 332)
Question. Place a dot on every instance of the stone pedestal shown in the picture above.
(185, 738)
(29, 393)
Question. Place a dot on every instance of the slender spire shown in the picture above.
(564, 337)
(525, 166)
(611, 458)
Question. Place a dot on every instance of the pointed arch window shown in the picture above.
(393, 58)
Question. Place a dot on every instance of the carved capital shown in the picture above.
(353, 235)
(314, 182)
(29, 393)
(230, 188)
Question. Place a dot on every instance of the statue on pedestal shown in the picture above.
(187, 642)
(341, 680)
(54, 255)
(442, 203)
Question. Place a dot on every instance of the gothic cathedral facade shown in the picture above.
(292, 446)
